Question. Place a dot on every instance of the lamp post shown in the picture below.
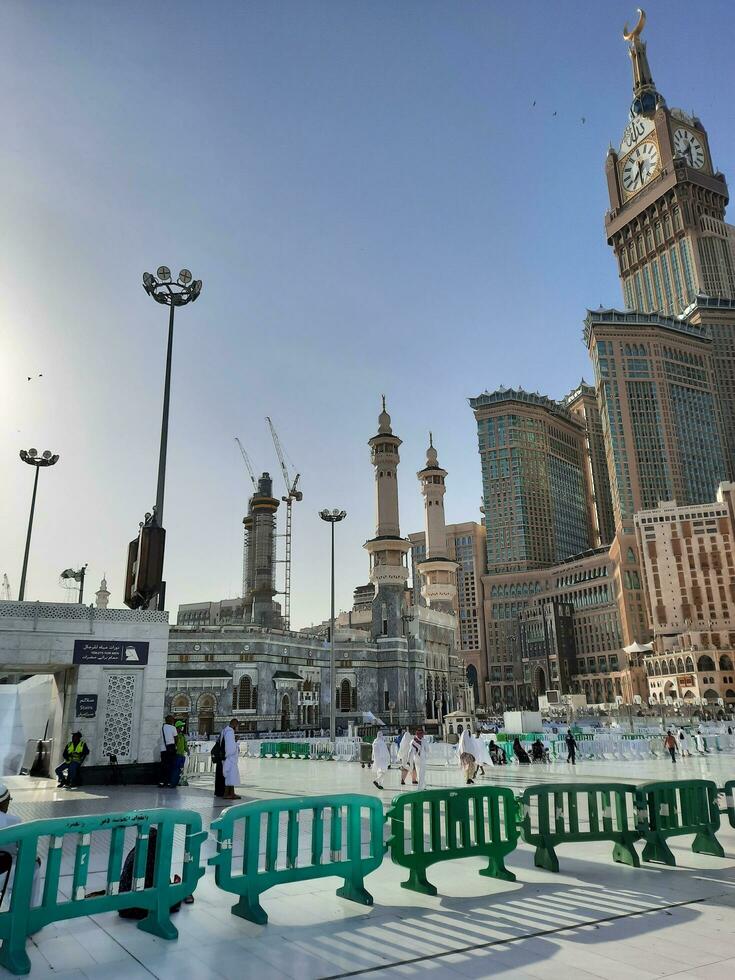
(78, 576)
(332, 517)
(31, 457)
(185, 290)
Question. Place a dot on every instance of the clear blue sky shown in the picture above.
(374, 205)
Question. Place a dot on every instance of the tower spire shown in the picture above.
(437, 571)
(645, 96)
(387, 550)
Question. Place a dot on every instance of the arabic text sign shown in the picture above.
(110, 652)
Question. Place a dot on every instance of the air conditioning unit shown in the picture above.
(552, 697)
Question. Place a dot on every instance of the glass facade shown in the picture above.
(531, 452)
(660, 410)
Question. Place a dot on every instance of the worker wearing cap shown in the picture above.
(75, 753)
(182, 750)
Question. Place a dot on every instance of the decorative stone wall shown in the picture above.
(39, 637)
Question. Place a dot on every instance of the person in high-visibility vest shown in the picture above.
(75, 753)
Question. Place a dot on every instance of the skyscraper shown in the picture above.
(660, 411)
(532, 452)
(582, 403)
(673, 247)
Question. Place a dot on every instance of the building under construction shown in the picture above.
(259, 586)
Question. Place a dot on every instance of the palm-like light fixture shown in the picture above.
(32, 457)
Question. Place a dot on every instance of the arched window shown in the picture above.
(679, 665)
(705, 663)
(244, 695)
(710, 694)
(689, 663)
(285, 713)
(725, 662)
(206, 706)
(729, 695)
(180, 704)
(672, 667)
(630, 556)
(346, 696)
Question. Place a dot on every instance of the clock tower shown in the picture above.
(667, 202)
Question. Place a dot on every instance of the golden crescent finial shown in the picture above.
(636, 32)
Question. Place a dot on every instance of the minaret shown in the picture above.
(102, 595)
(438, 572)
(262, 553)
(388, 550)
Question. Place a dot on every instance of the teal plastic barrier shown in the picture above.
(22, 919)
(574, 813)
(444, 825)
(673, 809)
(334, 846)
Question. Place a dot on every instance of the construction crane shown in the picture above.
(292, 493)
(249, 467)
(248, 464)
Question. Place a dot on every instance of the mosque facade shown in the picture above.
(395, 653)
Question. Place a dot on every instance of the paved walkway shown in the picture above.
(593, 919)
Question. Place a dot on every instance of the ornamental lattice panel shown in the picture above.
(119, 715)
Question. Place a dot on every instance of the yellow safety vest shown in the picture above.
(75, 752)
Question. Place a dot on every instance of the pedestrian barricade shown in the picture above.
(444, 825)
(346, 749)
(441, 754)
(729, 791)
(321, 748)
(285, 750)
(24, 918)
(332, 846)
(673, 809)
(571, 813)
(198, 764)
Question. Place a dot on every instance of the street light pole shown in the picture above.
(332, 517)
(33, 459)
(185, 290)
(160, 486)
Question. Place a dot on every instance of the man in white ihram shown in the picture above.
(467, 755)
(404, 751)
(381, 759)
(416, 762)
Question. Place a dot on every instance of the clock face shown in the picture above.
(687, 146)
(640, 166)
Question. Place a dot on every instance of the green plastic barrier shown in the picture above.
(571, 813)
(672, 809)
(285, 750)
(334, 846)
(729, 791)
(22, 919)
(444, 825)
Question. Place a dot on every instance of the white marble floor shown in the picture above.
(593, 919)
